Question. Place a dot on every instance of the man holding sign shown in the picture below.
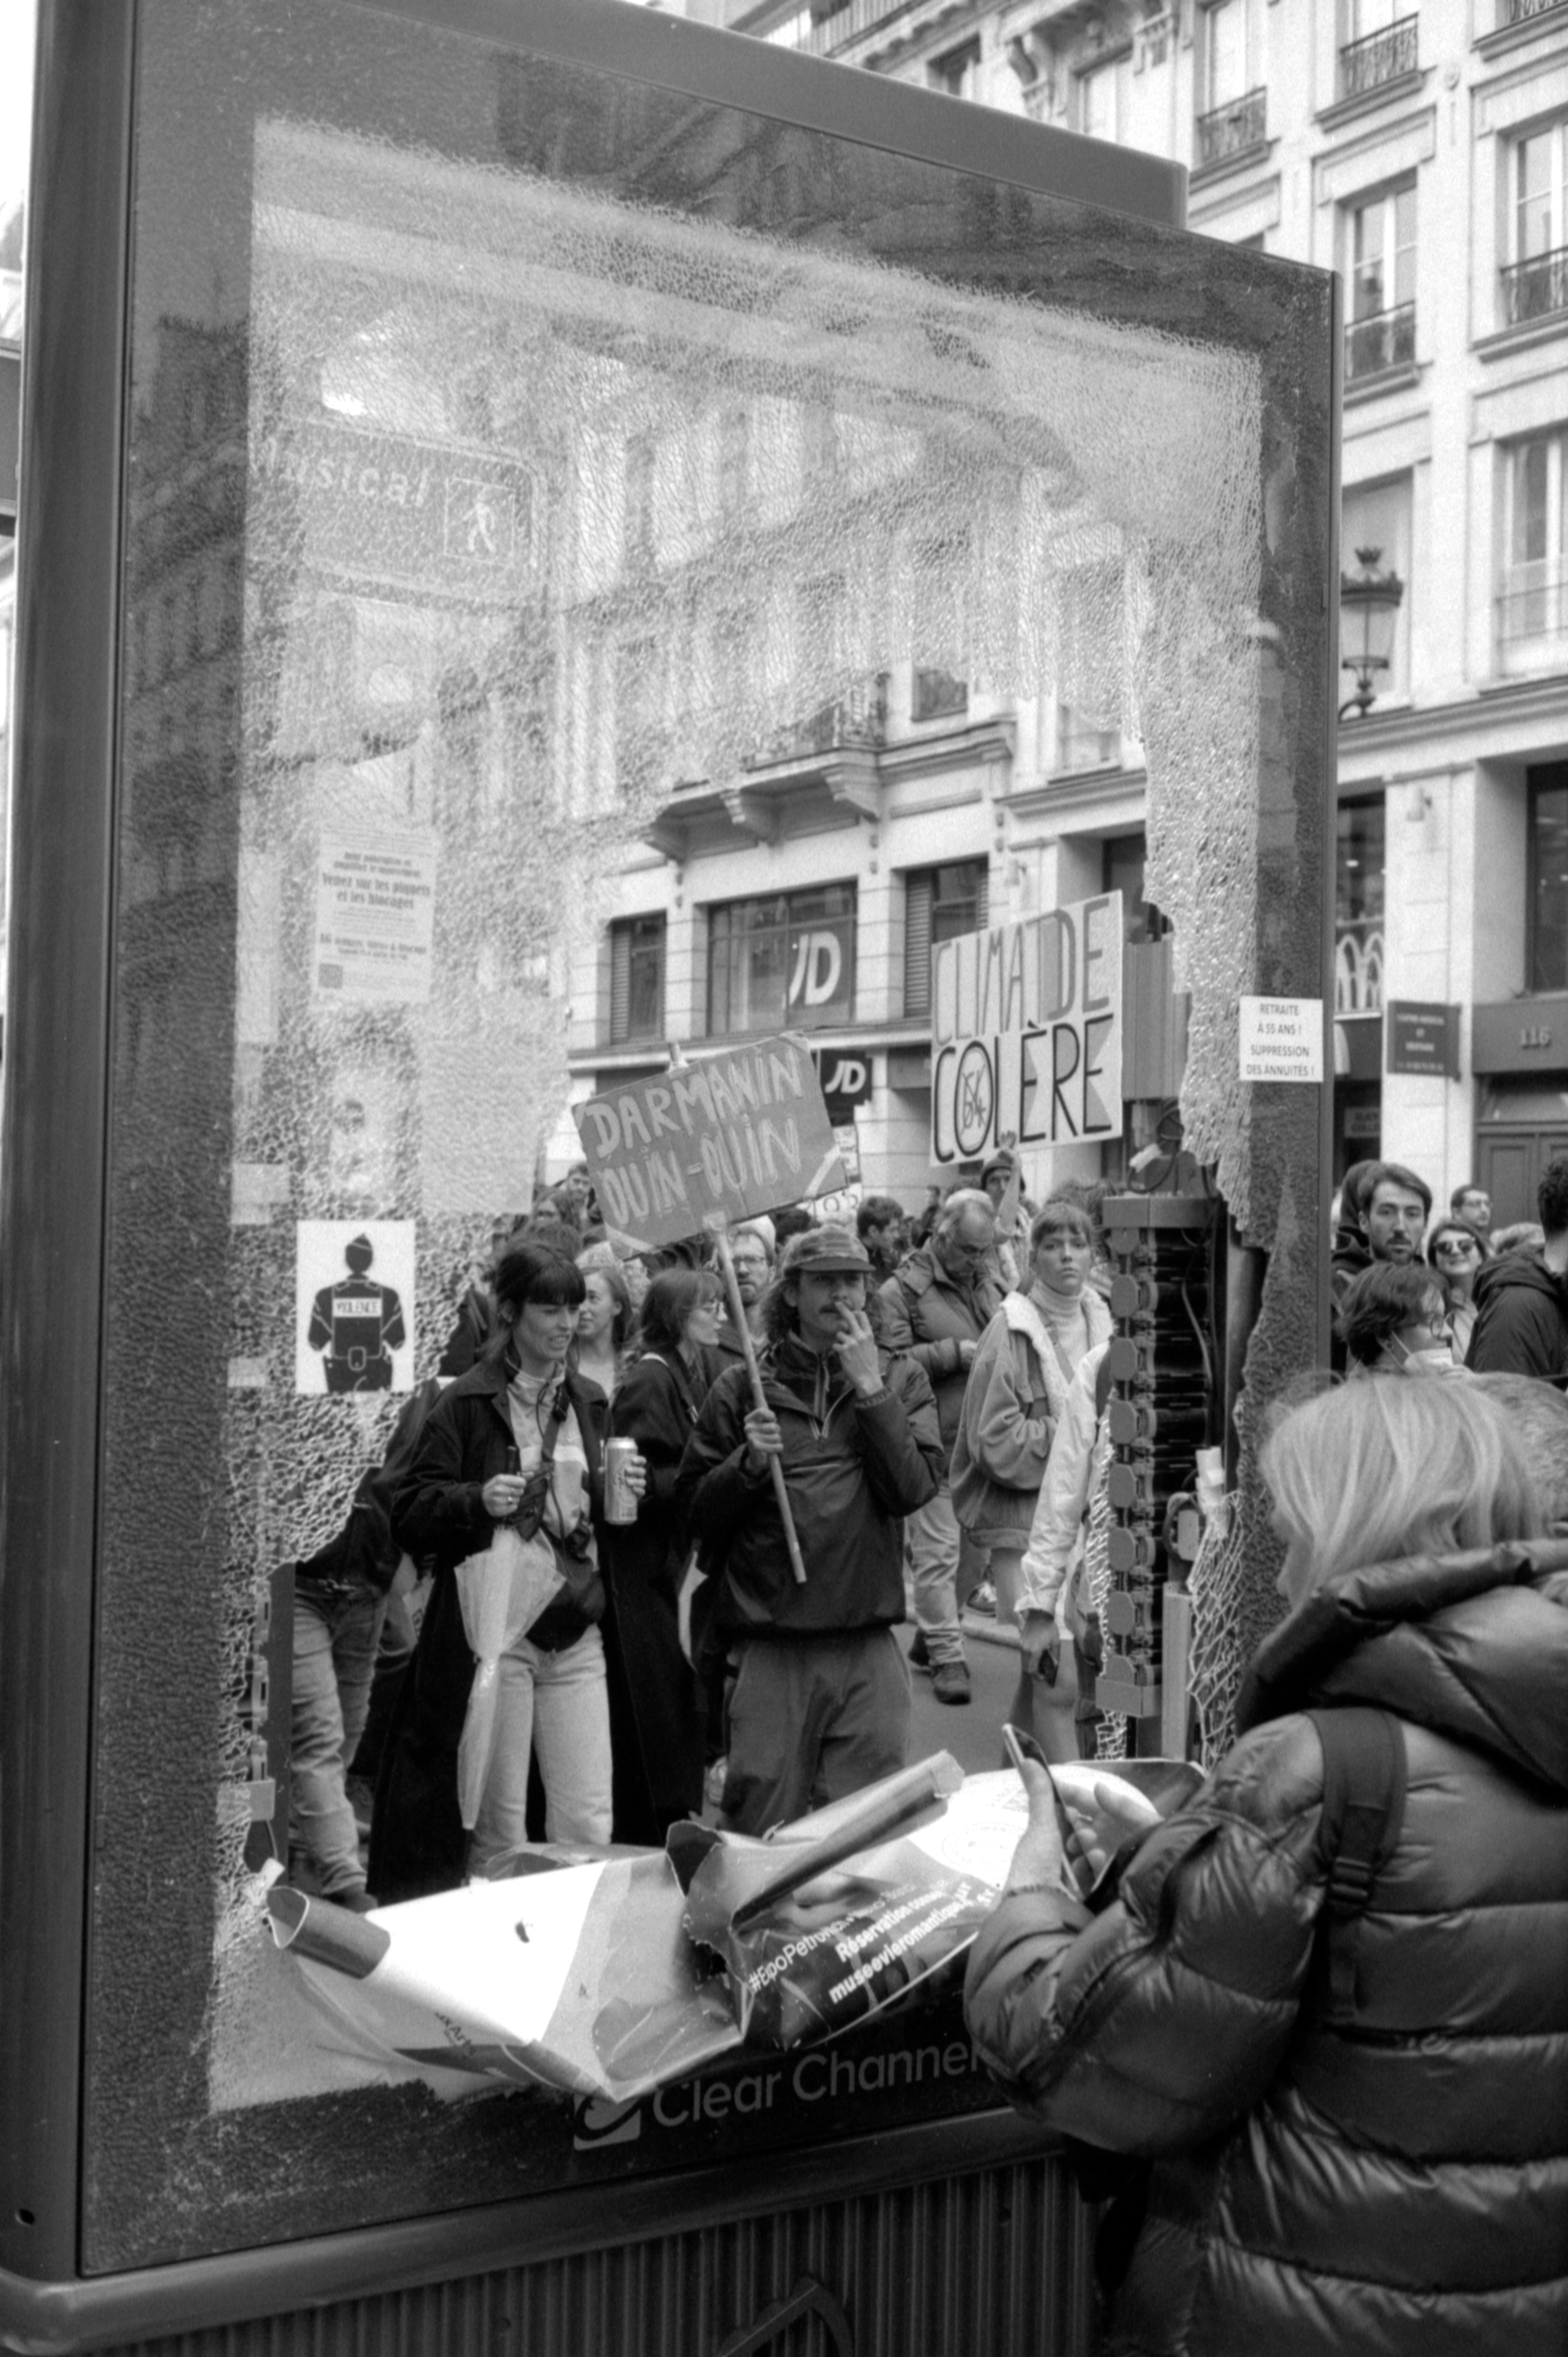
(819, 1699)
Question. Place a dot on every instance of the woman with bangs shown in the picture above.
(1350, 2120)
(518, 1439)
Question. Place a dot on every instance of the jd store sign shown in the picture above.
(847, 1076)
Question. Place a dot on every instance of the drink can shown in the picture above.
(621, 1499)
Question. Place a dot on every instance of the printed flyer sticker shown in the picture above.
(354, 1306)
(375, 906)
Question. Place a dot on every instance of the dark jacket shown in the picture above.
(853, 1468)
(1521, 1319)
(417, 1842)
(927, 1318)
(655, 1406)
(1399, 2182)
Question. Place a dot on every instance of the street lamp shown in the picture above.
(1369, 603)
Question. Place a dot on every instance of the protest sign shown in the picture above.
(709, 1143)
(1027, 1033)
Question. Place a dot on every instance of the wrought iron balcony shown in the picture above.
(1385, 341)
(859, 718)
(1381, 57)
(1534, 289)
(855, 19)
(1232, 130)
(1359, 966)
(1518, 12)
(1532, 602)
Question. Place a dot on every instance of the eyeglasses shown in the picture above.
(1457, 1247)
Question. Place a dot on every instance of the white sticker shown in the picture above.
(354, 1306)
(1281, 1038)
(375, 905)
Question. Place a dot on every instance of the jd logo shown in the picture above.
(819, 965)
(808, 2298)
(847, 1076)
(599, 2121)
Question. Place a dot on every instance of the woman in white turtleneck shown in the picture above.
(1018, 1385)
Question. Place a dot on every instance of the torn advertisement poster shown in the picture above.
(612, 1974)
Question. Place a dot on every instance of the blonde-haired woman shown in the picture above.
(1358, 2123)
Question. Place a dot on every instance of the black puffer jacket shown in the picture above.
(1397, 2185)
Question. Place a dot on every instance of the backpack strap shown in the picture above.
(1363, 1809)
(1102, 1380)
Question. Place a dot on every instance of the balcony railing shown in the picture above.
(1381, 57)
(1359, 966)
(1533, 600)
(847, 24)
(1231, 130)
(1518, 12)
(1386, 340)
(859, 718)
(1536, 288)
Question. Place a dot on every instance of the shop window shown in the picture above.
(637, 979)
(1378, 515)
(1379, 254)
(787, 960)
(940, 903)
(1358, 908)
(1535, 265)
(1532, 617)
(1548, 878)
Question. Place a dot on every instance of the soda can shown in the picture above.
(621, 1499)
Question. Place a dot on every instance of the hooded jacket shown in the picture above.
(1396, 2182)
(1013, 1405)
(1521, 1319)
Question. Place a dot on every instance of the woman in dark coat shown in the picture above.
(560, 1687)
(1357, 2122)
(657, 1406)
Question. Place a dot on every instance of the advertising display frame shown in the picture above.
(55, 1193)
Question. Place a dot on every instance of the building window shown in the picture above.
(1358, 908)
(639, 733)
(1382, 46)
(734, 462)
(957, 70)
(1377, 515)
(784, 962)
(1233, 115)
(937, 696)
(940, 903)
(1101, 91)
(1547, 873)
(1535, 276)
(1122, 870)
(637, 979)
(1532, 618)
(639, 531)
(1381, 240)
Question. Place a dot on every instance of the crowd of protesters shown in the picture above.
(933, 1390)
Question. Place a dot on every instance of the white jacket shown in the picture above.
(1074, 1471)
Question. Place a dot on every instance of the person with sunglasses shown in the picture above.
(1456, 1251)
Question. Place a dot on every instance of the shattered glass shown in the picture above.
(523, 454)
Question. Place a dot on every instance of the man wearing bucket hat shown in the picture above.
(818, 1699)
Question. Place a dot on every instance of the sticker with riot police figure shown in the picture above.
(354, 1306)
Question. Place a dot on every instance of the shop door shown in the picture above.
(1509, 1168)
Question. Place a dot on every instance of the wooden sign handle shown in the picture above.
(737, 1315)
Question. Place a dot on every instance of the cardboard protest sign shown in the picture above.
(1027, 1033)
(710, 1141)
